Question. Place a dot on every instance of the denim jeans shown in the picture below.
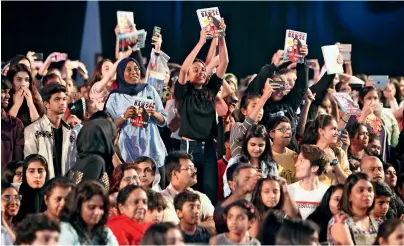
(205, 160)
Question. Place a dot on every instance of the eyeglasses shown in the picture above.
(284, 129)
(191, 168)
(129, 178)
(8, 198)
(17, 173)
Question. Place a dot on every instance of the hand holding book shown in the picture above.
(203, 35)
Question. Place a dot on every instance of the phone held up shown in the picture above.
(156, 31)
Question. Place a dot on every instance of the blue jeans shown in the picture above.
(205, 160)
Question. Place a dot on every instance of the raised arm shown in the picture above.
(99, 87)
(212, 51)
(191, 57)
(223, 55)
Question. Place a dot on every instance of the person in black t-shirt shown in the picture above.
(196, 106)
(188, 207)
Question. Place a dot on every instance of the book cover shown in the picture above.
(156, 80)
(294, 40)
(209, 19)
(330, 54)
(142, 117)
(345, 102)
(126, 21)
(136, 40)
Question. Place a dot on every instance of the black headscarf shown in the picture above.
(123, 86)
(32, 199)
(96, 137)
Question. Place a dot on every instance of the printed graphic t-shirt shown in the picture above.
(307, 200)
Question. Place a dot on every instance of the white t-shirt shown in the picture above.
(307, 200)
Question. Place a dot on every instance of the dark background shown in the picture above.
(255, 30)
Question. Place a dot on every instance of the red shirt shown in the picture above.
(221, 169)
(127, 231)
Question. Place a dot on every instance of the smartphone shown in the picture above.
(340, 132)
(156, 31)
(346, 48)
(380, 81)
(278, 85)
(61, 57)
(38, 56)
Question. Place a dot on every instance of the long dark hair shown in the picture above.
(270, 226)
(71, 213)
(323, 214)
(257, 198)
(23, 113)
(9, 171)
(296, 232)
(216, 22)
(388, 227)
(362, 94)
(311, 135)
(97, 74)
(257, 131)
(351, 181)
(156, 234)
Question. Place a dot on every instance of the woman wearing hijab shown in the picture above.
(95, 148)
(122, 104)
(34, 175)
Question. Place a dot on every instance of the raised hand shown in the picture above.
(304, 50)
(157, 41)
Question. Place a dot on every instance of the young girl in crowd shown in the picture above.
(25, 102)
(240, 215)
(10, 205)
(256, 150)
(165, 233)
(328, 207)
(324, 134)
(269, 195)
(251, 112)
(195, 95)
(34, 175)
(355, 223)
(359, 137)
(84, 217)
(391, 232)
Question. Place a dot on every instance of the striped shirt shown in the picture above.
(237, 134)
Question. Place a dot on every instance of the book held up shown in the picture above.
(210, 19)
(141, 119)
(294, 41)
(345, 102)
(330, 54)
(128, 35)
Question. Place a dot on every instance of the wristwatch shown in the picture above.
(123, 116)
(334, 162)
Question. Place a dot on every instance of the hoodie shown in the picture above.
(95, 148)
(126, 230)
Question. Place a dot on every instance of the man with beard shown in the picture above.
(49, 136)
(182, 174)
(242, 179)
(373, 167)
(12, 129)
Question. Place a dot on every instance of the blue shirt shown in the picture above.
(139, 141)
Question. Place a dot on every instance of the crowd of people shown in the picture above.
(221, 161)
